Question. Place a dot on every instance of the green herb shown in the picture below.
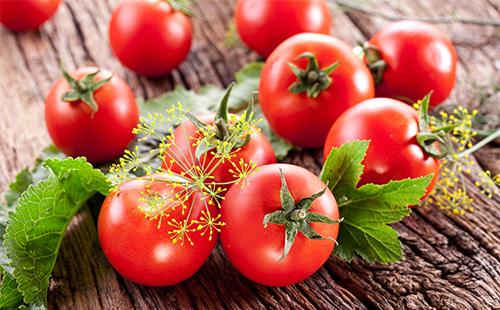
(368, 210)
(35, 230)
(27, 177)
(206, 100)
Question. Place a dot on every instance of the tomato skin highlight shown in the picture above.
(420, 59)
(263, 25)
(256, 250)
(138, 249)
(24, 15)
(150, 37)
(393, 153)
(302, 120)
(100, 136)
(258, 150)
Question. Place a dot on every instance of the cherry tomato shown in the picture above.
(419, 59)
(258, 150)
(255, 249)
(20, 15)
(305, 117)
(150, 37)
(78, 130)
(142, 250)
(263, 25)
(393, 153)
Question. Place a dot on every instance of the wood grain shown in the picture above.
(451, 262)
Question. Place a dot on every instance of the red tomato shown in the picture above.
(419, 59)
(142, 251)
(150, 37)
(22, 15)
(393, 153)
(258, 150)
(263, 25)
(77, 130)
(300, 118)
(254, 249)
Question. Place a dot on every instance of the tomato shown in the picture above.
(393, 153)
(257, 250)
(22, 15)
(302, 106)
(263, 25)
(150, 37)
(77, 129)
(258, 150)
(142, 250)
(418, 59)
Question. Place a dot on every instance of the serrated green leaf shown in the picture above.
(382, 240)
(10, 296)
(27, 177)
(343, 168)
(368, 212)
(35, 230)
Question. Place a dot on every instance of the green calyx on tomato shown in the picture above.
(432, 141)
(83, 89)
(296, 217)
(313, 79)
(231, 134)
(374, 61)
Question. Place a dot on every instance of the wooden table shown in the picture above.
(451, 262)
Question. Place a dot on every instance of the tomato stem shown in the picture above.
(374, 61)
(83, 89)
(297, 217)
(312, 80)
(433, 142)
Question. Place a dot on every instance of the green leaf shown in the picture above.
(367, 214)
(27, 177)
(343, 168)
(203, 102)
(207, 99)
(369, 210)
(247, 85)
(10, 296)
(382, 240)
(35, 230)
(280, 146)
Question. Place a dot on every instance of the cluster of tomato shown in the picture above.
(314, 91)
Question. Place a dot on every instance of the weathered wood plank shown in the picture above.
(451, 262)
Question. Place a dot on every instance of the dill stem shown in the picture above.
(480, 144)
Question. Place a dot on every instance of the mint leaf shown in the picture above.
(35, 230)
(343, 168)
(369, 210)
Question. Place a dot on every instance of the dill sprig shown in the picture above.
(195, 182)
(450, 192)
